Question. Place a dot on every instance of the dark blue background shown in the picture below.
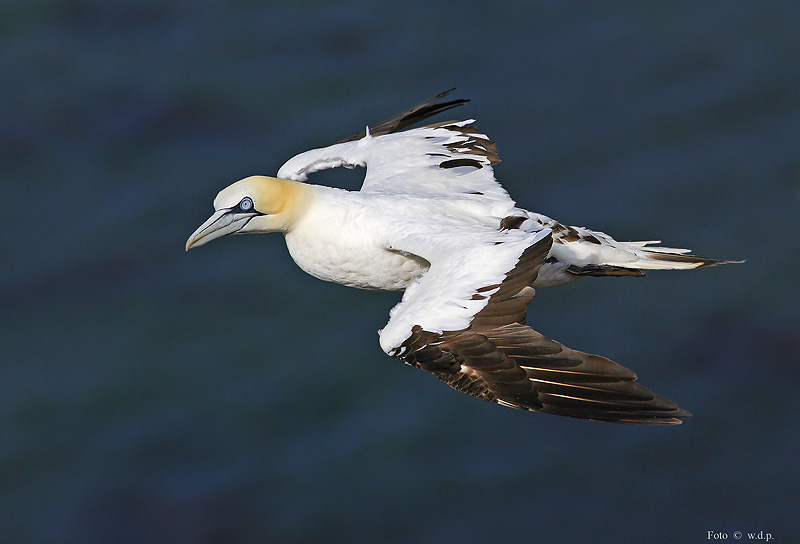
(150, 395)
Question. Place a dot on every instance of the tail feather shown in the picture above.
(615, 257)
(579, 251)
(684, 261)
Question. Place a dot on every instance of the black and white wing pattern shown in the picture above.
(493, 355)
(449, 158)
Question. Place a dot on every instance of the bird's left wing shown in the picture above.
(464, 321)
(411, 116)
(446, 158)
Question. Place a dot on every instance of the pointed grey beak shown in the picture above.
(223, 222)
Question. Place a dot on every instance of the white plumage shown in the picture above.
(431, 219)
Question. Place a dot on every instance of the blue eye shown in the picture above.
(246, 204)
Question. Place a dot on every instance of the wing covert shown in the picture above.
(467, 267)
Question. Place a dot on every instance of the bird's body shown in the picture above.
(350, 237)
(344, 236)
(345, 239)
(431, 220)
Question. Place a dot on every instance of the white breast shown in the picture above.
(346, 245)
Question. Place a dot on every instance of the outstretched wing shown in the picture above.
(447, 158)
(496, 357)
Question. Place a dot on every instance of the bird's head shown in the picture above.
(252, 205)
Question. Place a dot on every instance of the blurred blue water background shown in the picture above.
(150, 395)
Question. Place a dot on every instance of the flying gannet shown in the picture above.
(431, 219)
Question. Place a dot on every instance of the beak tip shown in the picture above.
(218, 225)
(194, 242)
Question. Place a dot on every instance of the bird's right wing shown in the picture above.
(464, 321)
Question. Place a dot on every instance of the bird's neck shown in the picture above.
(291, 201)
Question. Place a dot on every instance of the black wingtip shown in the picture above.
(411, 116)
(656, 416)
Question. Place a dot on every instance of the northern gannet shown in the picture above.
(432, 220)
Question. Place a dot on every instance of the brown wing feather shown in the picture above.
(500, 359)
